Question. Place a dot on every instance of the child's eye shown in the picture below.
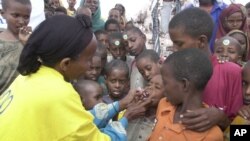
(15, 15)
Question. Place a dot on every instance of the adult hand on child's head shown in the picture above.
(137, 109)
(203, 119)
(24, 34)
(245, 112)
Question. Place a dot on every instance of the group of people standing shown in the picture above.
(78, 77)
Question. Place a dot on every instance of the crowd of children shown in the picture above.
(78, 77)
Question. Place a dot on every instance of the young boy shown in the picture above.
(192, 28)
(148, 64)
(243, 117)
(228, 48)
(71, 11)
(115, 14)
(136, 45)
(90, 93)
(84, 10)
(17, 15)
(117, 80)
(185, 75)
(102, 37)
(111, 26)
(95, 68)
(139, 129)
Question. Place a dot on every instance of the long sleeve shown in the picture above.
(104, 112)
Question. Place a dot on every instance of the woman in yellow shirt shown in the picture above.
(41, 104)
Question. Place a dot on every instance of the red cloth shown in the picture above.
(232, 8)
(224, 89)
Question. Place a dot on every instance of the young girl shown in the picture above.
(94, 6)
(17, 15)
(231, 18)
(228, 48)
(117, 48)
(243, 40)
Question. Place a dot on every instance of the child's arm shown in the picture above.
(104, 112)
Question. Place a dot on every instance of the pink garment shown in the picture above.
(224, 89)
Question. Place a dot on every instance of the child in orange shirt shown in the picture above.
(185, 75)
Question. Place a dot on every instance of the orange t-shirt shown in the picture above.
(166, 130)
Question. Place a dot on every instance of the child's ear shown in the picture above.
(203, 41)
(2, 14)
(185, 84)
(161, 60)
(64, 64)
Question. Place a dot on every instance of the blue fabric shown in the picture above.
(215, 13)
(116, 129)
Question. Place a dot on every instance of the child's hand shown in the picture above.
(137, 109)
(245, 112)
(127, 99)
(222, 59)
(24, 34)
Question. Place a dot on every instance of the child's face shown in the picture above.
(113, 28)
(17, 16)
(54, 3)
(241, 39)
(115, 14)
(119, 7)
(117, 83)
(148, 68)
(117, 50)
(246, 84)
(181, 40)
(173, 88)
(71, 3)
(103, 38)
(155, 89)
(234, 21)
(136, 43)
(103, 56)
(92, 5)
(92, 96)
(94, 70)
(227, 50)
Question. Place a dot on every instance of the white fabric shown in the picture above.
(37, 13)
(165, 15)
